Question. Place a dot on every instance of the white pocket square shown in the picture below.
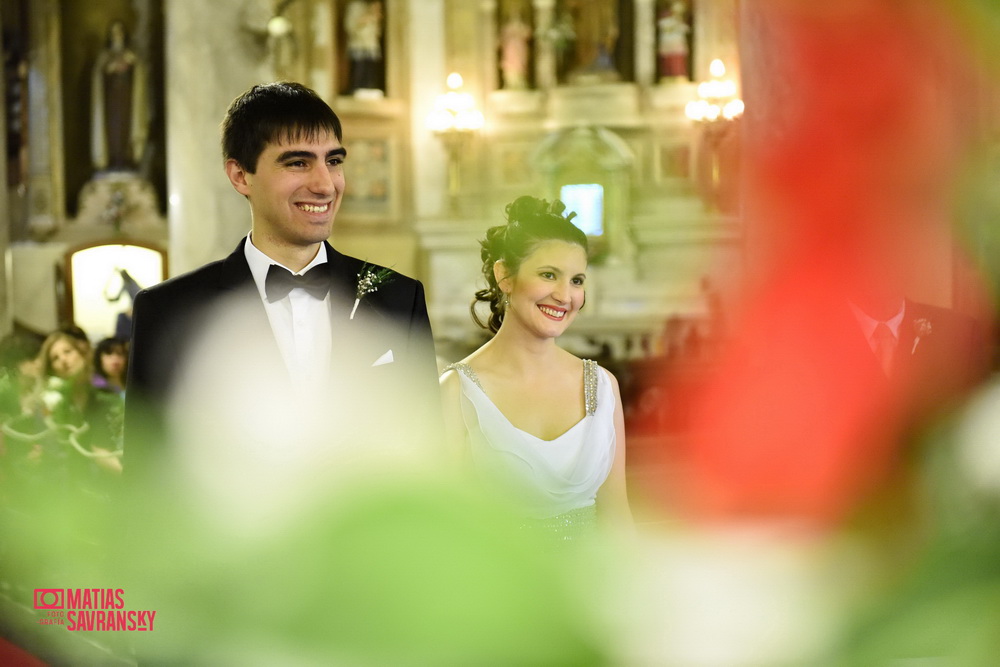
(384, 359)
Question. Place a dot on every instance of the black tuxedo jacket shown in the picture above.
(171, 318)
(940, 355)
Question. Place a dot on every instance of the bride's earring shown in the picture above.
(506, 301)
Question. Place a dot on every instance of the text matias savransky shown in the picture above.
(91, 609)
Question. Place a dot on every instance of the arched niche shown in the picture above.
(101, 278)
(590, 168)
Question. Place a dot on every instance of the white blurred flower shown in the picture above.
(53, 394)
(978, 447)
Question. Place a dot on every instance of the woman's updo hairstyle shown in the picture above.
(530, 221)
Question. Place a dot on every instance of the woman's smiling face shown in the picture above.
(549, 288)
(65, 359)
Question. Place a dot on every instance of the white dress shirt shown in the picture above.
(300, 322)
(868, 324)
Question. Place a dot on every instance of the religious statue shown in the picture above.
(121, 282)
(282, 47)
(119, 107)
(673, 44)
(514, 36)
(595, 24)
(562, 35)
(363, 23)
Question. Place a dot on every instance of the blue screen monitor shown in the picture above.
(587, 199)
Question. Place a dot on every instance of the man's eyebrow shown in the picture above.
(309, 155)
(288, 155)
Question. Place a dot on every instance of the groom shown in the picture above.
(325, 319)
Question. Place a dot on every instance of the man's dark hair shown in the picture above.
(274, 113)
(18, 347)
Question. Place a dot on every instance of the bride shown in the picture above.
(535, 421)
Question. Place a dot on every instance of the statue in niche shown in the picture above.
(119, 106)
(673, 41)
(595, 25)
(514, 36)
(282, 47)
(562, 36)
(121, 282)
(363, 24)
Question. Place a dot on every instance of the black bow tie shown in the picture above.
(281, 281)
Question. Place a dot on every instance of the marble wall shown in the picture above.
(212, 56)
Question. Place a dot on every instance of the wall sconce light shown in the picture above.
(454, 120)
(716, 97)
(715, 112)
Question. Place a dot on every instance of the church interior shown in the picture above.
(737, 166)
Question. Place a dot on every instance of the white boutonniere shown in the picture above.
(370, 278)
(923, 328)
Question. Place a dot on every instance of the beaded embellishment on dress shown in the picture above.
(589, 381)
(469, 373)
(568, 526)
(590, 385)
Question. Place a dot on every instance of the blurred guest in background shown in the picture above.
(85, 418)
(18, 373)
(111, 365)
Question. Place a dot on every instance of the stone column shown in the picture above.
(46, 192)
(211, 57)
(321, 53)
(645, 42)
(488, 32)
(545, 53)
(427, 72)
(6, 291)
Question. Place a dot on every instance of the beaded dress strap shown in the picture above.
(466, 369)
(589, 381)
(590, 385)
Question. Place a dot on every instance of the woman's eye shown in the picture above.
(548, 275)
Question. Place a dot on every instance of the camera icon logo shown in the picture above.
(49, 598)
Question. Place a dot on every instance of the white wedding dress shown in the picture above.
(553, 483)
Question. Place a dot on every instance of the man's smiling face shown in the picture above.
(296, 190)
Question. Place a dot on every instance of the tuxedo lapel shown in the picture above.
(916, 349)
(235, 273)
(342, 286)
(353, 340)
(236, 282)
(907, 332)
(859, 347)
(344, 274)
